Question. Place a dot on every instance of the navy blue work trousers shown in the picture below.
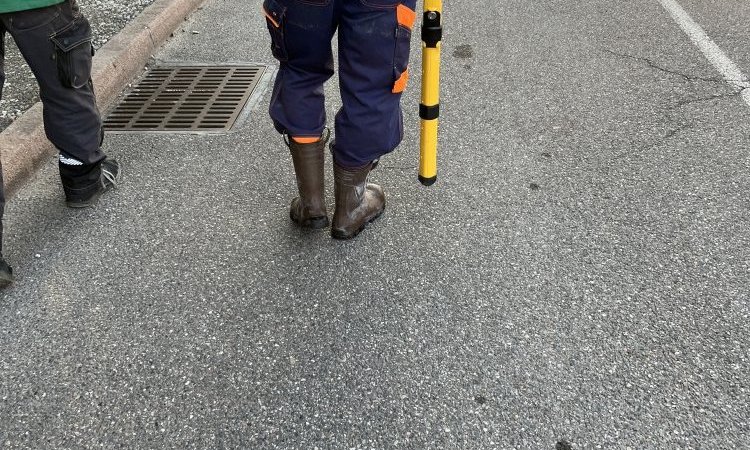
(373, 55)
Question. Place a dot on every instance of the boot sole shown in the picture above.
(338, 234)
(315, 223)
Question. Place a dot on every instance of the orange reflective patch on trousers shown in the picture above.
(305, 139)
(405, 18)
(400, 85)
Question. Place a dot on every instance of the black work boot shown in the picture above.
(6, 273)
(83, 185)
(309, 209)
(357, 201)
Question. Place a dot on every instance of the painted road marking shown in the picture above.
(726, 67)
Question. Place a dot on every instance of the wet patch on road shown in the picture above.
(464, 52)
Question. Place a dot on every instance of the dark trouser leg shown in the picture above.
(56, 43)
(2, 83)
(374, 38)
(301, 36)
(6, 272)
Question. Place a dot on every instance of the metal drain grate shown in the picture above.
(186, 98)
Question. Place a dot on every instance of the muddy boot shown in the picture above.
(309, 209)
(357, 201)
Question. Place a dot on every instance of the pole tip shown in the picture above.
(427, 181)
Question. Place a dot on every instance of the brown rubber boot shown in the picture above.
(357, 201)
(309, 209)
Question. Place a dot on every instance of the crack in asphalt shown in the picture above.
(739, 85)
(733, 94)
(687, 77)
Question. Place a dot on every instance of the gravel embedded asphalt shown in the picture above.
(20, 91)
(577, 277)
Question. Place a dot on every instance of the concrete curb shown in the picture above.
(24, 146)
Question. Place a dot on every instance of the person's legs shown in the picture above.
(6, 273)
(301, 32)
(56, 43)
(374, 40)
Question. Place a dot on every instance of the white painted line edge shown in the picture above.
(726, 67)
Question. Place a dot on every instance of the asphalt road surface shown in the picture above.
(577, 278)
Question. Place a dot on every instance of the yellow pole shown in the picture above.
(429, 108)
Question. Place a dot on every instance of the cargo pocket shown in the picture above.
(275, 15)
(405, 19)
(73, 52)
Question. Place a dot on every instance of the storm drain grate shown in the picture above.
(186, 98)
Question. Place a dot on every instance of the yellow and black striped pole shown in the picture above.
(429, 108)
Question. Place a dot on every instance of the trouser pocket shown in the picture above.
(405, 17)
(74, 52)
(275, 18)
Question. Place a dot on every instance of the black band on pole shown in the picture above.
(432, 30)
(429, 112)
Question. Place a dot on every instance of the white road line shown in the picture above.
(726, 67)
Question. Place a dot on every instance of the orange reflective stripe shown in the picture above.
(305, 140)
(270, 17)
(400, 85)
(406, 16)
